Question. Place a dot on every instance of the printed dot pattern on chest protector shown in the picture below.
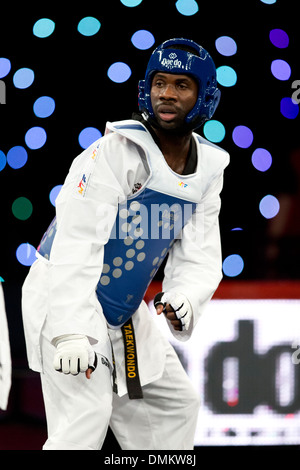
(145, 228)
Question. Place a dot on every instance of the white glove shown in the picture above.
(74, 354)
(179, 304)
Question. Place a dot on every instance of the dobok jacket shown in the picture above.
(5, 356)
(120, 212)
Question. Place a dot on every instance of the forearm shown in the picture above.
(194, 266)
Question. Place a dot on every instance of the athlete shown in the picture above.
(5, 357)
(149, 188)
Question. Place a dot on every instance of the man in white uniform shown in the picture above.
(5, 357)
(148, 188)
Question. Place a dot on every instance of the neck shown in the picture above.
(175, 148)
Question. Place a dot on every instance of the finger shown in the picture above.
(168, 308)
(171, 316)
(65, 365)
(83, 363)
(176, 326)
(74, 365)
(175, 323)
(89, 372)
(159, 309)
(57, 363)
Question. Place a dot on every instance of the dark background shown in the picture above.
(72, 69)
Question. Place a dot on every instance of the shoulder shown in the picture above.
(114, 145)
(211, 156)
(125, 126)
(124, 135)
(212, 148)
(112, 151)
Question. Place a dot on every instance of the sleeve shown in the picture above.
(86, 209)
(5, 357)
(194, 266)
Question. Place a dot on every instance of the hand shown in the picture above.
(170, 315)
(74, 354)
(176, 308)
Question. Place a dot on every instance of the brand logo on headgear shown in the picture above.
(171, 62)
(182, 184)
(172, 55)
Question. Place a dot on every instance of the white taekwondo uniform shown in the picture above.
(5, 357)
(119, 212)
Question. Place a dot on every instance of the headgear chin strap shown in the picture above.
(167, 58)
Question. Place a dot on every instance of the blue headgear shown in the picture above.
(168, 59)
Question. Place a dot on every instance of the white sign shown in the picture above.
(244, 358)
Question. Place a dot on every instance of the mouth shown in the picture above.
(166, 113)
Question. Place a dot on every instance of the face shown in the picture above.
(172, 98)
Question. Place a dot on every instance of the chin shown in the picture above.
(170, 126)
(173, 128)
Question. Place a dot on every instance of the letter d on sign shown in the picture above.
(151, 459)
(2, 92)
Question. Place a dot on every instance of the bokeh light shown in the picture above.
(43, 28)
(226, 46)
(87, 136)
(17, 157)
(131, 3)
(233, 265)
(142, 39)
(242, 136)
(35, 137)
(88, 26)
(269, 206)
(279, 38)
(2, 160)
(22, 208)
(226, 76)
(23, 78)
(44, 106)
(54, 193)
(289, 108)
(26, 254)
(119, 72)
(281, 69)
(261, 159)
(214, 130)
(187, 7)
(5, 67)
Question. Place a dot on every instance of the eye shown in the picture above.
(183, 85)
(159, 83)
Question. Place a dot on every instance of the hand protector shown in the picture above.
(74, 354)
(179, 303)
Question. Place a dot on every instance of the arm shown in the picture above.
(5, 355)
(194, 266)
(84, 222)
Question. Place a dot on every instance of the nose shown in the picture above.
(168, 92)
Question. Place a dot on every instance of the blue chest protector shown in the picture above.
(146, 226)
(145, 229)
